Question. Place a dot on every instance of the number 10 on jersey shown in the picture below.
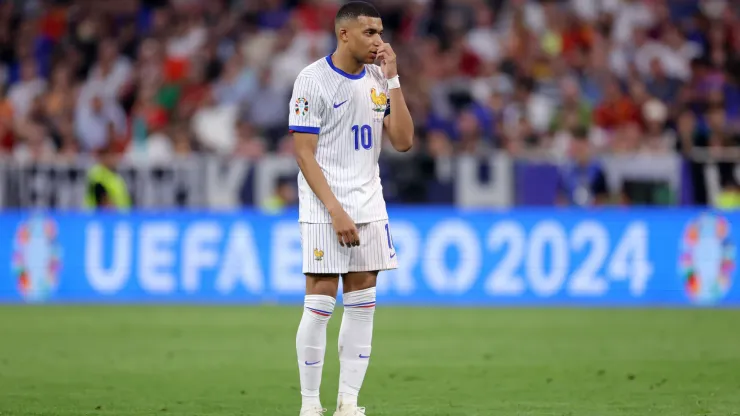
(363, 136)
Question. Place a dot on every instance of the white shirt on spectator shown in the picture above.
(591, 10)
(676, 63)
(215, 127)
(538, 110)
(43, 151)
(188, 44)
(287, 64)
(485, 43)
(22, 94)
(628, 17)
(112, 83)
(156, 149)
(92, 127)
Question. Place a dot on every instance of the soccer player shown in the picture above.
(338, 110)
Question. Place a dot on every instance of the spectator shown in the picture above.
(106, 189)
(285, 196)
(111, 74)
(571, 105)
(536, 108)
(7, 137)
(93, 115)
(686, 131)
(617, 108)
(483, 40)
(249, 145)
(182, 141)
(582, 181)
(261, 108)
(729, 194)
(35, 145)
(215, 125)
(236, 84)
(159, 80)
(657, 137)
(22, 94)
(660, 84)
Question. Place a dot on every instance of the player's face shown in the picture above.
(364, 38)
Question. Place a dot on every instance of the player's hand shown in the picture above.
(387, 60)
(345, 228)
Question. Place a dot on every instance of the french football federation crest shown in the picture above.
(380, 101)
(318, 255)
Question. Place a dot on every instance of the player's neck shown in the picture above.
(346, 63)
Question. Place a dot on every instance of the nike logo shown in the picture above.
(393, 255)
(364, 356)
(340, 104)
(307, 363)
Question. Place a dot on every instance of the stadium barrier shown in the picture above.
(614, 257)
(494, 180)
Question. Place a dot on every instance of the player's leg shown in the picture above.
(374, 254)
(355, 335)
(310, 341)
(323, 261)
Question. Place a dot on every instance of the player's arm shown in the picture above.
(306, 112)
(305, 124)
(305, 153)
(397, 123)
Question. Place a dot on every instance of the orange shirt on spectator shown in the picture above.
(6, 126)
(612, 114)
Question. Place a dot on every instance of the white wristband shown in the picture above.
(394, 83)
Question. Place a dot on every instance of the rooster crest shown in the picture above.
(378, 100)
(318, 254)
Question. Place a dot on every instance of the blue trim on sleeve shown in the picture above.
(304, 129)
(342, 73)
(387, 109)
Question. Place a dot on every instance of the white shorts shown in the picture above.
(323, 254)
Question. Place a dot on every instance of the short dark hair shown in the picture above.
(355, 9)
(580, 133)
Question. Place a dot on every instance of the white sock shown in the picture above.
(355, 339)
(310, 345)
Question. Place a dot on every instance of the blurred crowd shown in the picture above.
(157, 79)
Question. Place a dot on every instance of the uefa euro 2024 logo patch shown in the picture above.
(707, 259)
(301, 106)
(36, 260)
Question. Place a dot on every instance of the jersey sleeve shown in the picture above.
(306, 107)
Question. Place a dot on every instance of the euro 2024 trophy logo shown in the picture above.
(707, 259)
(36, 260)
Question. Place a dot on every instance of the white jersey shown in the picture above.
(347, 112)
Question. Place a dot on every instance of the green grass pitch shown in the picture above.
(208, 360)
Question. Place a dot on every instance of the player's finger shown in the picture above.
(340, 237)
(348, 240)
(355, 237)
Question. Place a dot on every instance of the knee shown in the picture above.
(325, 285)
(356, 281)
